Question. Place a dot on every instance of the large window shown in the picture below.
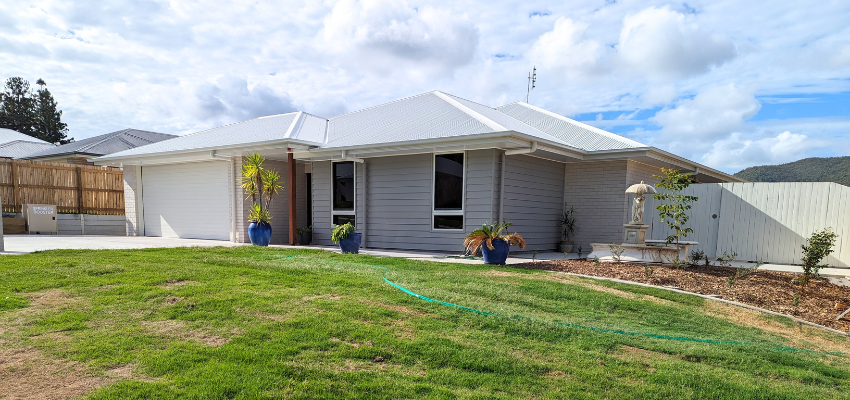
(448, 191)
(343, 192)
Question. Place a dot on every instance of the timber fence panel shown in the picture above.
(73, 189)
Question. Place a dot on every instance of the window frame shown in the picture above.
(353, 211)
(434, 211)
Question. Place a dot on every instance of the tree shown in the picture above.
(48, 124)
(35, 114)
(17, 106)
(673, 213)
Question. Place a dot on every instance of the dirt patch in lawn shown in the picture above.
(28, 374)
(172, 283)
(770, 290)
(179, 330)
(401, 309)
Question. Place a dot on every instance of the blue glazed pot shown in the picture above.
(499, 253)
(351, 244)
(260, 233)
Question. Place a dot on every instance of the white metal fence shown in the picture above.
(764, 221)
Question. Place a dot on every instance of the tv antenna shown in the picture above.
(532, 79)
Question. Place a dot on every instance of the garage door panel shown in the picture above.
(187, 200)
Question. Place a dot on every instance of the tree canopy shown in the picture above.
(33, 113)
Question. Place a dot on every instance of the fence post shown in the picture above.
(79, 190)
(16, 191)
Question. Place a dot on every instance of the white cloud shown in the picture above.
(232, 99)
(380, 34)
(736, 152)
(711, 114)
(662, 43)
(566, 49)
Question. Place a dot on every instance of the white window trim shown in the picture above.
(434, 211)
(333, 182)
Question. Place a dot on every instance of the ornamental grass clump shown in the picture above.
(487, 233)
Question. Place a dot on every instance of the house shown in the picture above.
(80, 151)
(417, 173)
(14, 144)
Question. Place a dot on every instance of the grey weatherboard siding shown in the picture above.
(399, 201)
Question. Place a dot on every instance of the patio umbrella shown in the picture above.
(640, 189)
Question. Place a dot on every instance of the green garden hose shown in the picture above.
(603, 330)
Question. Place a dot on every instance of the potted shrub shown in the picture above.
(493, 244)
(348, 240)
(305, 235)
(568, 229)
(261, 185)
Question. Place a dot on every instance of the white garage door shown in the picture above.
(187, 200)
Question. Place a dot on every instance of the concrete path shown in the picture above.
(22, 244)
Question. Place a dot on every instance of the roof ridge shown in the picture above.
(580, 124)
(295, 121)
(472, 113)
(382, 104)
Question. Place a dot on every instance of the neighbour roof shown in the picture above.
(296, 125)
(22, 148)
(105, 144)
(429, 115)
(574, 133)
(8, 135)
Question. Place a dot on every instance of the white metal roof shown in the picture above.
(572, 132)
(22, 148)
(8, 135)
(295, 125)
(430, 115)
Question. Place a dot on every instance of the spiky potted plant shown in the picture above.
(493, 244)
(305, 235)
(568, 229)
(260, 185)
(348, 240)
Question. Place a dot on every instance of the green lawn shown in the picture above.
(247, 322)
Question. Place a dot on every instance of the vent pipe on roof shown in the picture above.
(522, 151)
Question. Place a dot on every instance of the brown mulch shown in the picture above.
(770, 290)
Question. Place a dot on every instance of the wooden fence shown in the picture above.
(79, 189)
(764, 221)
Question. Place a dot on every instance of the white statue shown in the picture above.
(637, 207)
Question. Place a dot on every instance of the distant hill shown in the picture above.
(832, 169)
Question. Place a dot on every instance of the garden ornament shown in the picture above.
(639, 190)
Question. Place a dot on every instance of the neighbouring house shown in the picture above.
(80, 151)
(14, 144)
(417, 173)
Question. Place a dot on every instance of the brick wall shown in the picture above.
(131, 214)
(597, 191)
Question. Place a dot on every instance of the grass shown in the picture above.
(247, 322)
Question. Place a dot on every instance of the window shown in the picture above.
(343, 192)
(448, 191)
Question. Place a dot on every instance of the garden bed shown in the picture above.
(771, 290)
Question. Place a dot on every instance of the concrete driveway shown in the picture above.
(22, 244)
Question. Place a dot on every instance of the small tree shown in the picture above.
(673, 213)
(259, 184)
(817, 247)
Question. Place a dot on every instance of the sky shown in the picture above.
(729, 84)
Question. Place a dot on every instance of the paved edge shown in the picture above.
(734, 303)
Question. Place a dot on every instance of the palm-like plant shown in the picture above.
(260, 185)
(487, 233)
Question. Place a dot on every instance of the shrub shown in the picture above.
(817, 247)
(341, 232)
(487, 233)
(616, 251)
(697, 256)
(725, 260)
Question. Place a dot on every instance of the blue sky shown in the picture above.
(727, 83)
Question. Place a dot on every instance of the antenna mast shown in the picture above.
(532, 79)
